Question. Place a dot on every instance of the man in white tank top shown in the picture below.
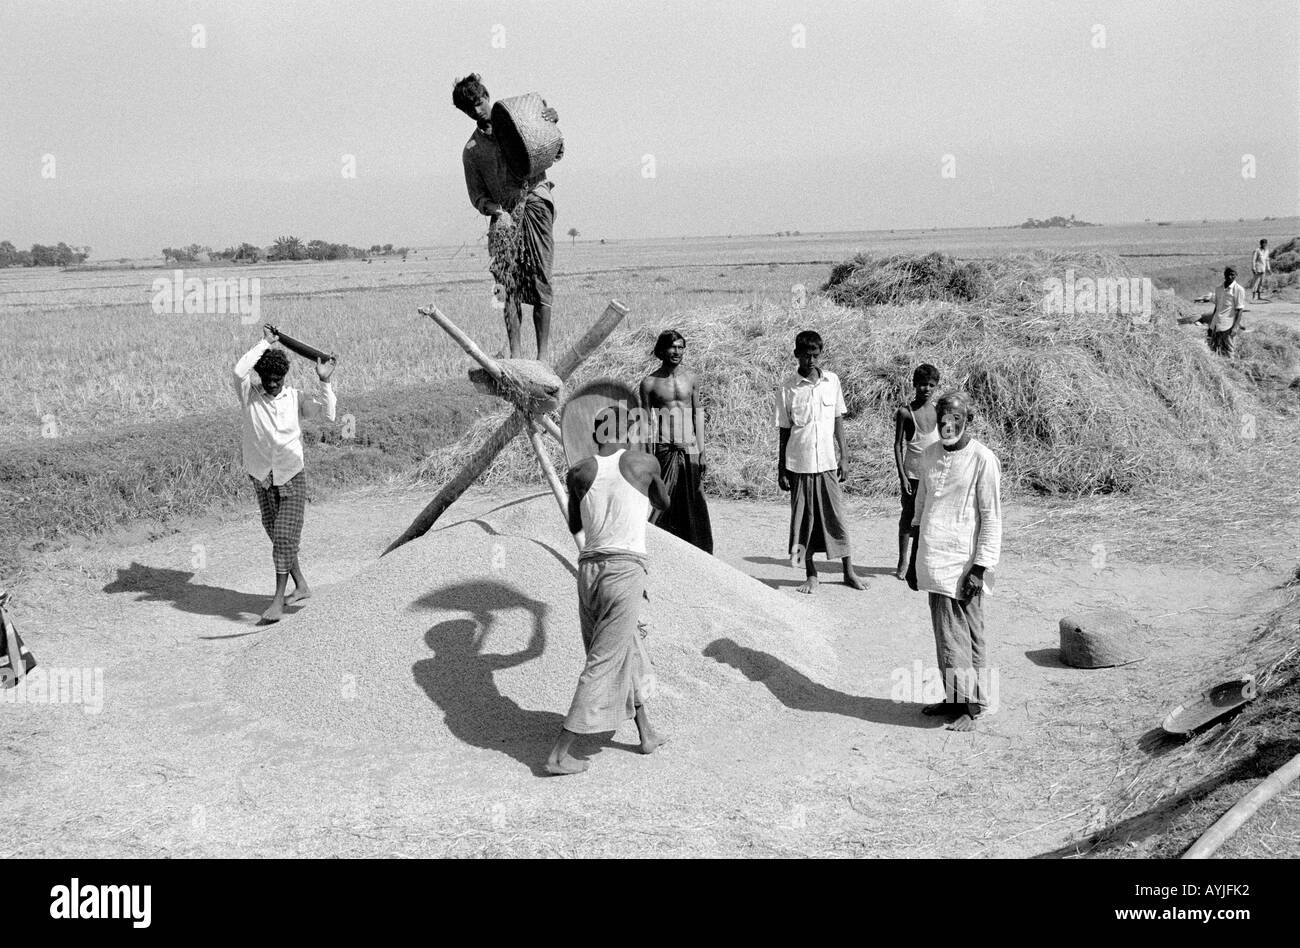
(609, 499)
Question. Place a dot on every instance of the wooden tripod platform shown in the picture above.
(533, 389)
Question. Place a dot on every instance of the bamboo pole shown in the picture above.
(462, 340)
(1244, 809)
(544, 459)
(479, 461)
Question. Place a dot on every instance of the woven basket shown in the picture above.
(529, 142)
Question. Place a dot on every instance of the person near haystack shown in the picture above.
(522, 262)
(272, 452)
(673, 395)
(959, 539)
(812, 462)
(1225, 323)
(915, 429)
(1259, 268)
(610, 494)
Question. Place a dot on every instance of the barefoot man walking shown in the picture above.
(959, 516)
(609, 498)
(272, 449)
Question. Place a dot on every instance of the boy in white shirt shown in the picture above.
(272, 452)
(810, 420)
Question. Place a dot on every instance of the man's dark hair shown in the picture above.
(1263, 242)
(806, 340)
(666, 339)
(925, 372)
(272, 362)
(466, 93)
(1229, 271)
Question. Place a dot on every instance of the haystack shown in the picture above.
(469, 635)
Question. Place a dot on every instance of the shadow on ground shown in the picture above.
(174, 586)
(797, 691)
(459, 678)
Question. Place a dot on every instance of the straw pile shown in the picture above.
(1073, 404)
(470, 636)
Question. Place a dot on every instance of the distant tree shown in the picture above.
(388, 248)
(8, 254)
(573, 235)
(287, 248)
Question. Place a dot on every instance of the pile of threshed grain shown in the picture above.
(470, 635)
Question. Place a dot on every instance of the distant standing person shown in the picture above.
(915, 429)
(959, 540)
(1259, 268)
(812, 462)
(272, 452)
(1225, 319)
(673, 394)
(509, 200)
(610, 495)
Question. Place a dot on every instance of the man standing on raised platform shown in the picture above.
(522, 266)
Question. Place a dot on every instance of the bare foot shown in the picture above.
(298, 595)
(652, 743)
(562, 766)
(274, 612)
(963, 723)
(944, 709)
(808, 586)
(901, 574)
(852, 580)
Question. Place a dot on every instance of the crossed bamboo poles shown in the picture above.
(522, 419)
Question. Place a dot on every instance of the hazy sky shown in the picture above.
(156, 142)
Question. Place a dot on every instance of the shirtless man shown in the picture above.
(610, 495)
(673, 394)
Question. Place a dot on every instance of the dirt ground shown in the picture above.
(173, 767)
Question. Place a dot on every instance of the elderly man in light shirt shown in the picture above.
(272, 450)
(959, 521)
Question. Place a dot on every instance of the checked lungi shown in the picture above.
(612, 684)
(817, 517)
(687, 515)
(282, 510)
(524, 267)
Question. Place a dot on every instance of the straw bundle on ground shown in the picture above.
(470, 635)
